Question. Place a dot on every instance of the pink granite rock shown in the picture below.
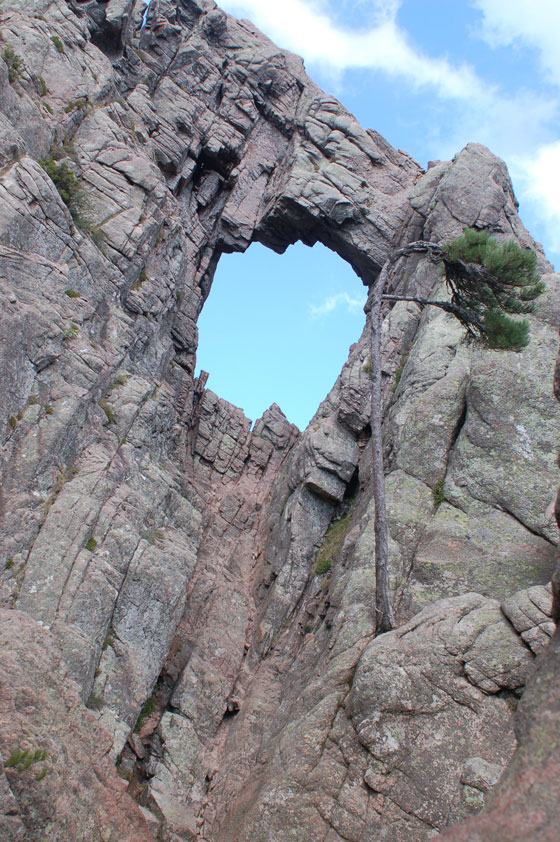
(56, 757)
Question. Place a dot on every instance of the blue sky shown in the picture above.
(430, 75)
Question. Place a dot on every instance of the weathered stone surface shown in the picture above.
(419, 704)
(73, 791)
(170, 548)
(525, 802)
(530, 612)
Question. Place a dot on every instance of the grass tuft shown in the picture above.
(119, 380)
(57, 43)
(141, 278)
(437, 491)
(148, 707)
(155, 536)
(108, 410)
(331, 547)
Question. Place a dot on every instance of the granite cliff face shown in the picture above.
(162, 553)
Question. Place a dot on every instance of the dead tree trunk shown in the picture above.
(476, 293)
(384, 620)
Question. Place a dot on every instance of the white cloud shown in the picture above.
(508, 125)
(304, 27)
(535, 24)
(505, 123)
(334, 302)
(539, 177)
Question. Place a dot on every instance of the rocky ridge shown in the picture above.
(165, 551)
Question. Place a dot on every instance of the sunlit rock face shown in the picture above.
(207, 586)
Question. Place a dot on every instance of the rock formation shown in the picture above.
(162, 553)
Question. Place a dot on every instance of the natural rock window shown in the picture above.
(277, 328)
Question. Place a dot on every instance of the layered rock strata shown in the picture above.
(169, 549)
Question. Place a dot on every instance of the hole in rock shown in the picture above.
(277, 328)
(352, 487)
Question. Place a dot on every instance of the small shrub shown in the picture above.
(91, 544)
(12, 421)
(71, 332)
(42, 774)
(72, 293)
(68, 186)
(367, 368)
(9, 564)
(43, 86)
(82, 103)
(22, 760)
(48, 107)
(57, 43)
(65, 181)
(159, 238)
(437, 491)
(49, 409)
(32, 400)
(14, 62)
(108, 410)
(109, 641)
